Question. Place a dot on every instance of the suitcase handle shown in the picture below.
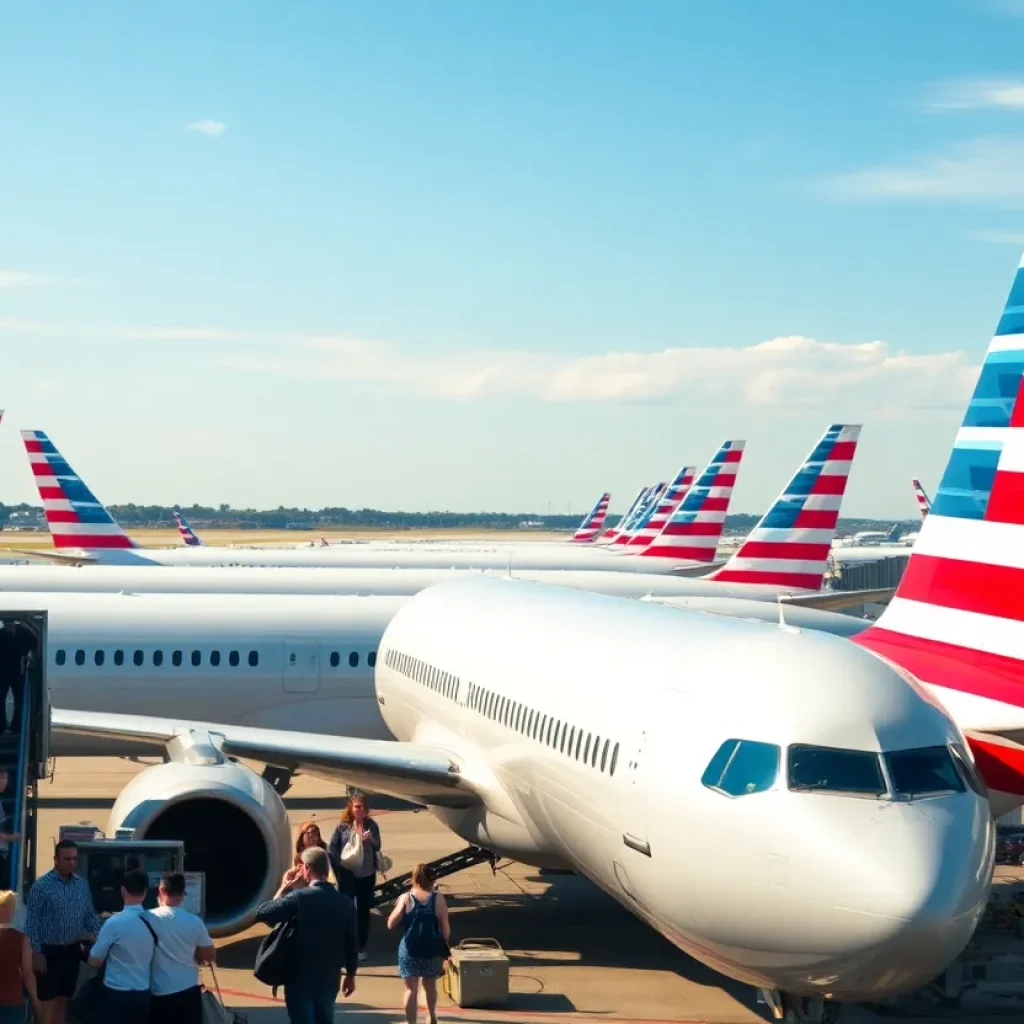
(487, 943)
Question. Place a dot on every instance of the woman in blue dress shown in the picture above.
(423, 915)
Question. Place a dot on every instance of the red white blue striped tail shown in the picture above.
(609, 535)
(957, 619)
(661, 511)
(694, 529)
(74, 515)
(593, 522)
(188, 535)
(641, 514)
(922, 497)
(791, 544)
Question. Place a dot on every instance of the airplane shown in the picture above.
(84, 532)
(590, 529)
(611, 533)
(923, 502)
(661, 511)
(188, 535)
(554, 727)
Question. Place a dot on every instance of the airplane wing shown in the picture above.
(410, 771)
(836, 600)
(62, 557)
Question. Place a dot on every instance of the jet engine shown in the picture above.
(232, 822)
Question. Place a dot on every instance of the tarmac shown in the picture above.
(574, 953)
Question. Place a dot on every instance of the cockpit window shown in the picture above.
(925, 771)
(741, 767)
(834, 770)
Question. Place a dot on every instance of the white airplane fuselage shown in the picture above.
(378, 581)
(286, 662)
(590, 726)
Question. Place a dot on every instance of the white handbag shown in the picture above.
(352, 851)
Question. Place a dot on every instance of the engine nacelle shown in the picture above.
(234, 827)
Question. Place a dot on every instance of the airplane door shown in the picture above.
(301, 666)
(634, 805)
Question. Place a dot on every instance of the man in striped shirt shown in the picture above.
(60, 917)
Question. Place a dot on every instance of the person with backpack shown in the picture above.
(426, 932)
(124, 950)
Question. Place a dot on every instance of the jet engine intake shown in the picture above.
(232, 822)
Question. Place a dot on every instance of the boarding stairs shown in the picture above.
(391, 888)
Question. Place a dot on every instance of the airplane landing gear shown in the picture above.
(279, 778)
(801, 1009)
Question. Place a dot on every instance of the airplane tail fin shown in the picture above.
(694, 529)
(593, 523)
(662, 511)
(73, 513)
(922, 497)
(610, 534)
(641, 514)
(188, 535)
(790, 546)
(957, 618)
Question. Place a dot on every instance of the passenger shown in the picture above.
(358, 877)
(309, 835)
(324, 944)
(16, 972)
(60, 918)
(426, 932)
(16, 642)
(126, 944)
(184, 943)
(6, 838)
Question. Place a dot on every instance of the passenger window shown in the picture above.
(335, 659)
(176, 659)
(371, 659)
(593, 756)
(615, 759)
(158, 658)
(565, 731)
(118, 657)
(60, 657)
(604, 755)
(579, 743)
(197, 658)
(97, 657)
(79, 657)
(138, 657)
(233, 659)
(750, 767)
(353, 659)
(254, 658)
(215, 658)
(586, 750)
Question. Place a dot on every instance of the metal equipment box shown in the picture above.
(103, 862)
(477, 973)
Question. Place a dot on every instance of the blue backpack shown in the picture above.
(422, 930)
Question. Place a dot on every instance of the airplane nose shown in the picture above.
(917, 878)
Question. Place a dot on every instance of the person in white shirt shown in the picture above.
(184, 943)
(126, 943)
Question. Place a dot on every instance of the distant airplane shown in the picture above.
(661, 511)
(590, 529)
(188, 535)
(922, 497)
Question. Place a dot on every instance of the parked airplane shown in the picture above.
(923, 503)
(515, 727)
(660, 512)
(188, 536)
(590, 529)
(610, 534)
(83, 532)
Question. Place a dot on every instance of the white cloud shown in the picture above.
(20, 279)
(180, 334)
(976, 94)
(211, 128)
(781, 373)
(981, 169)
(1015, 238)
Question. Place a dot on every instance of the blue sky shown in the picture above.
(496, 255)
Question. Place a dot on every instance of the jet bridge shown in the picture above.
(24, 736)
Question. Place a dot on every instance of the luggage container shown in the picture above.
(477, 973)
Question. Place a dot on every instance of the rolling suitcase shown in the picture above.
(477, 973)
